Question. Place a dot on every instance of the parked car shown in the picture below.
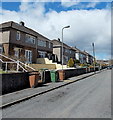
(110, 67)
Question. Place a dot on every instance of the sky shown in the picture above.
(90, 22)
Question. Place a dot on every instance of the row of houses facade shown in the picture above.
(70, 52)
(21, 42)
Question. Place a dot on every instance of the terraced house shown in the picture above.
(68, 52)
(80, 55)
(21, 42)
(89, 58)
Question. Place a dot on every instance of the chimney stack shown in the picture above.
(58, 39)
(22, 23)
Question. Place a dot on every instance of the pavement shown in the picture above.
(90, 97)
(25, 94)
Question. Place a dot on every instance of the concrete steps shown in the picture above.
(47, 61)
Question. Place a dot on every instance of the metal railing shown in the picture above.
(18, 63)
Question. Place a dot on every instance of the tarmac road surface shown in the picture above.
(88, 98)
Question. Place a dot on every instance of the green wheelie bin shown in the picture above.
(54, 76)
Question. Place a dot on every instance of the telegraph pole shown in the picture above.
(94, 54)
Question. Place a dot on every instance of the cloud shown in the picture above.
(92, 5)
(64, 3)
(87, 26)
(69, 3)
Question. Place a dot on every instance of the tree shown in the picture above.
(71, 62)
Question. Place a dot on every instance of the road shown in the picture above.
(88, 98)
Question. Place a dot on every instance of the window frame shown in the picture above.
(42, 54)
(18, 35)
(16, 53)
(28, 56)
(49, 44)
(30, 39)
(42, 43)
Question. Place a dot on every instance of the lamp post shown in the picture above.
(62, 44)
(94, 54)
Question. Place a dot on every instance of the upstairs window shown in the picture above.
(70, 51)
(41, 43)
(30, 39)
(18, 35)
(67, 50)
(49, 45)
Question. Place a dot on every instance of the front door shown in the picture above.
(28, 56)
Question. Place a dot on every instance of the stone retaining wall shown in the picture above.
(13, 82)
(74, 72)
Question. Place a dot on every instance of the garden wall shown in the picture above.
(13, 82)
(74, 72)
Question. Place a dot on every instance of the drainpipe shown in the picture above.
(36, 48)
(8, 53)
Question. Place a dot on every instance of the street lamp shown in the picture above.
(62, 44)
(94, 54)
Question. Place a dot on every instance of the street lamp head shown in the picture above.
(67, 26)
(92, 44)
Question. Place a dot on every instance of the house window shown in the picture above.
(70, 51)
(77, 56)
(18, 35)
(66, 58)
(67, 50)
(42, 54)
(49, 45)
(28, 56)
(41, 43)
(17, 53)
(30, 39)
(49, 55)
(0, 50)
